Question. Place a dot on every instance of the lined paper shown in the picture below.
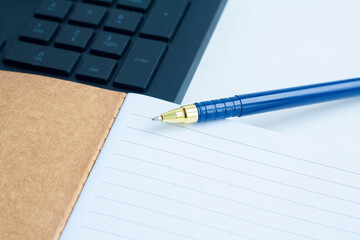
(220, 180)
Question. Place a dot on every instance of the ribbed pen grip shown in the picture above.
(219, 109)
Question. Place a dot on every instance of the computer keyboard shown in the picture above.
(2, 44)
(145, 46)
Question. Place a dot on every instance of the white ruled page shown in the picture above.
(219, 180)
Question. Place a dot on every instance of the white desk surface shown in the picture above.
(262, 45)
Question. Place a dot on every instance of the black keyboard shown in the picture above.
(145, 46)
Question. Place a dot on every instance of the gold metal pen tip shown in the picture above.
(157, 118)
(184, 114)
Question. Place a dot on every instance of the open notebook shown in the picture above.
(220, 180)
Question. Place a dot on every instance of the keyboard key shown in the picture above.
(100, 2)
(42, 58)
(110, 45)
(74, 38)
(96, 68)
(123, 21)
(139, 5)
(88, 15)
(2, 44)
(54, 9)
(164, 19)
(39, 31)
(141, 64)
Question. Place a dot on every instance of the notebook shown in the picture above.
(150, 180)
(218, 180)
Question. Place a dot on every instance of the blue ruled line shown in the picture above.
(173, 216)
(237, 171)
(242, 203)
(240, 143)
(142, 224)
(268, 180)
(250, 190)
(109, 233)
(263, 225)
(225, 214)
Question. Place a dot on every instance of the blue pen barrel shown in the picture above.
(242, 105)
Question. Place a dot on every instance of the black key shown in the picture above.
(54, 9)
(164, 19)
(74, 37)
(110, 45)
(139, 5)
(39, 31)
(88, 15)
(123, 21)
(96, 68)
(42, 58)
(2, 44)
(101, 2)
(141, 64)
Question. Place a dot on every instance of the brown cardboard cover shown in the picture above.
(51, 132)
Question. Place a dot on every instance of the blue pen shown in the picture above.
(253, 103)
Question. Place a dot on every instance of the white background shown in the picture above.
(262, 45)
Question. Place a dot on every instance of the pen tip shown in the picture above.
(158, 118)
